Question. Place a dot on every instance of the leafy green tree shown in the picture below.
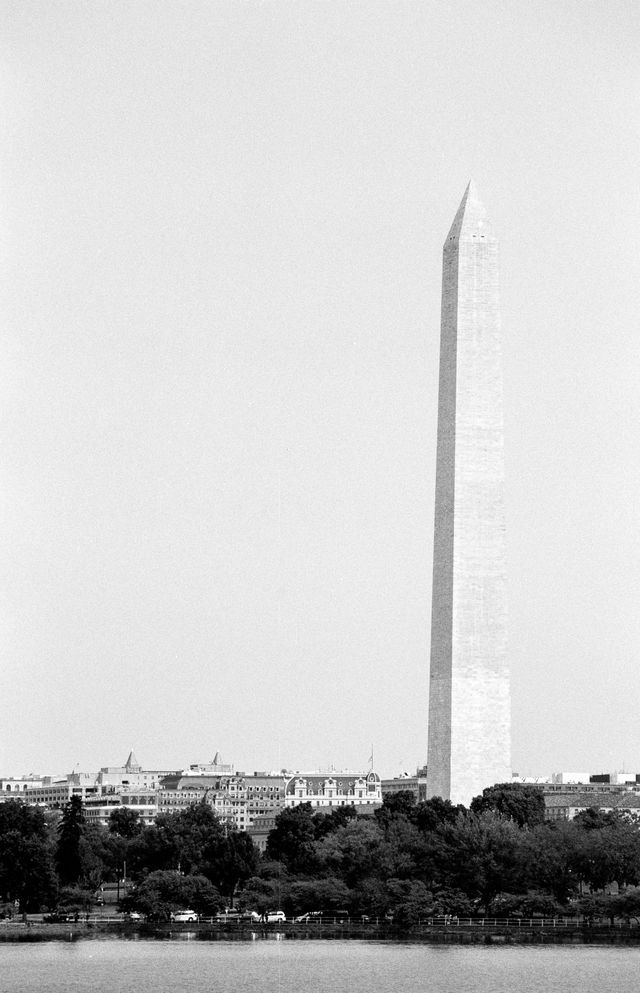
(522, 803)
(193, 841)
(409, 900)
(95, 855)
(599, 906)
(262, 893)
(394, 805)
(165, 891)
(292, 840)
(125, 822)
(26, 862)
(609, 855)
(406, 852)
(68, 853)
(327, 894)
(551, 857)
(433, 813)
(26, 858)
(533, 903)
(150, 851)
(189, 835)
(627, 904)
(324, 823)
(229, 861)
(76, 898)
(483, 857)
(369, 896)
(367, 847)
(113, 851)
(179, 841)
(594, 819)
(454, 902)
(354, 852)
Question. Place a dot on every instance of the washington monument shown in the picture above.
(469, 697)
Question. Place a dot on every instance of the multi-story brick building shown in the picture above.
(238, 798)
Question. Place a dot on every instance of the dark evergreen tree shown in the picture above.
(68, 850)
(230, 861)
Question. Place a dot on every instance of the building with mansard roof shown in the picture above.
(334, 789)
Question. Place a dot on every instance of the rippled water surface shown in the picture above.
(269, 966)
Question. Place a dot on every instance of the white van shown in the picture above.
(184, 916)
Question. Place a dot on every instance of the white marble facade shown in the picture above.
(469, 697)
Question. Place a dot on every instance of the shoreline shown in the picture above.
(581, 934)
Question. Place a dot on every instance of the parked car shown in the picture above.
(133, 915)
(184, 916)
(228, 915)
(274, 917)
(312, 915)
(336, 916)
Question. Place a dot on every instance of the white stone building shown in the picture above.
(334, 789)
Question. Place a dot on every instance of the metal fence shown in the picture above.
(364, 921)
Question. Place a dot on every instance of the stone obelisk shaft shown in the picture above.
(469, 695)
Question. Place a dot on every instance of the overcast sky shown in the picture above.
(221, 237)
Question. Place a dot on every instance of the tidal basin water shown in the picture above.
(272, 966)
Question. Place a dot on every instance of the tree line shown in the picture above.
(498, 858)
(53, 859)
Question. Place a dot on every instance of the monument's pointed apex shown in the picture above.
(471, 218)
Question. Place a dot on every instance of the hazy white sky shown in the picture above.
(220, 244)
